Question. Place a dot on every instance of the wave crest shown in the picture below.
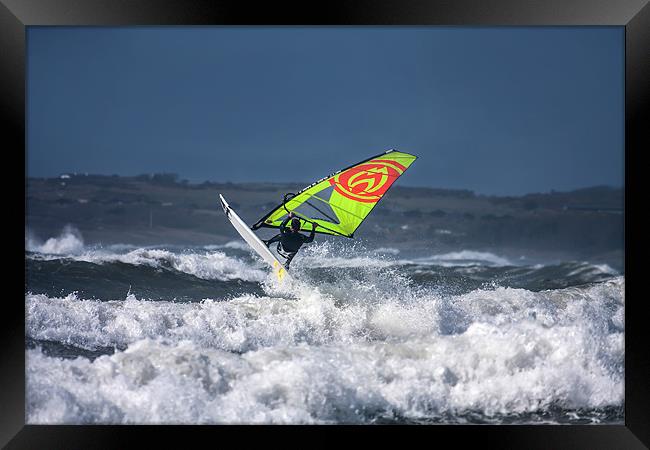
(68, 242)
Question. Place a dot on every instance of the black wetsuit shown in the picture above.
(289, 241)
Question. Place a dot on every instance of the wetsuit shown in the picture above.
(289, 241)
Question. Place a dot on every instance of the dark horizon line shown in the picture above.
(177, 179)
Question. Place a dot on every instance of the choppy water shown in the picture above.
(122, 334)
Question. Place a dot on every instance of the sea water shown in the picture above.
(204, 335)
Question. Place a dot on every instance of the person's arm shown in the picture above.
(275, 238)
(283, 225)
(313, 233)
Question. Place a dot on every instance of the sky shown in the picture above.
(495, 110)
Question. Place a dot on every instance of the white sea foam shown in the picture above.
(316, 360)
(317, 317)
(585, 268)
(365, 344)
(208, 265)
(354, 254)
(387, 250)
(239, 245)
(465, 258)
(68, 242)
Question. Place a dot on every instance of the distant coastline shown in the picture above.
(161, 209)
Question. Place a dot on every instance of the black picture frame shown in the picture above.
(634, 15)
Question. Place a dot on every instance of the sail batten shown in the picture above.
(350, 195)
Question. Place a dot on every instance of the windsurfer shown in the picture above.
(289, 239)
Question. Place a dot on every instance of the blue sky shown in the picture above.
(503, 111)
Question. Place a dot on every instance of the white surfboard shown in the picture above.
(256, 244)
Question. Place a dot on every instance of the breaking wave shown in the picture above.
(318, 359)
(68, 242)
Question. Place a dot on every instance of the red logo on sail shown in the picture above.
(367, 182)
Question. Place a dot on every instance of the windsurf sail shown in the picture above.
(340, 202)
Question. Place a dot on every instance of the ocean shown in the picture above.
(123, 334)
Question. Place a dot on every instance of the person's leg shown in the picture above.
(288, 261)
(288, 256)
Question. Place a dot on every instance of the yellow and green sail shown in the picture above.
(340, 202)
